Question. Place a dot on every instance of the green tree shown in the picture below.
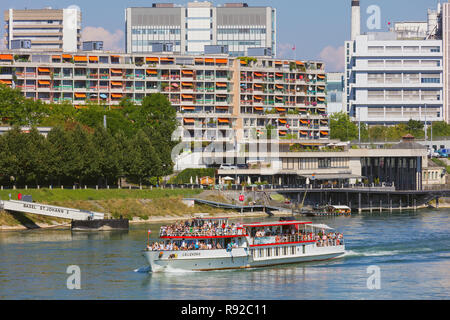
(342, 128)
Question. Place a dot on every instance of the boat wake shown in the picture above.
(380, 253)
(143, 270)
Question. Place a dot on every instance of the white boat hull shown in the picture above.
(240, 258)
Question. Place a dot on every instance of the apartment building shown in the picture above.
(189, 29)
(218, 98)
(43, 29)
(392, 77)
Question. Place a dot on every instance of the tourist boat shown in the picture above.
(223, 246)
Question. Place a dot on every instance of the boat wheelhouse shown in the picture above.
(205, 245)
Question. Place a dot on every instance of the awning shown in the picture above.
(258, 98)
(152, 59)
(7, 57)
(80, 95)
(283, 133)
(304, 133)
(56, 57)
(279, 74)
(67, 56)
(80, 58)
(299, 63)
(321, 76)
(187, 72)
(222, 61)
(243, 62)
(45, 82)
(199, 60)
(282, 121)
(93, 58)
(321, 110)
(116, 83)
(258, 74)
(258, 85)
(116, 95)
(166, 59)
(6, 81)
(259, 108)
(114, 56)
(325, 133)
(152, 72)
(209, 60)
(321, 88)
(281, 109)
(187, 84)
(304, 121)
(321, 99)
(279, 98)
(188, 120)
(221, 120)
(278, 62)
(43, 69)
(220, 84)
(116, 71)
(187, 96)
(279, 86)
(188, 108)
(222, 108)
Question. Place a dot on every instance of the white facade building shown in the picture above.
(189, 29)
(393, 77)
(393, 81)
(45, 29)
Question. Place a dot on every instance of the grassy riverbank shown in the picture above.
(136, 205)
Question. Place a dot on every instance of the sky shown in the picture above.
(317, 28)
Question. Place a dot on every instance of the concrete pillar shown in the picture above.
(359, 203)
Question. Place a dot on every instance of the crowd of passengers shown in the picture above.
(322, 239)
(191, 245)
(201, 227)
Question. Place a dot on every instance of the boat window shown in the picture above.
(285, 251)
(269, 252)
(293, 250)
(304, 249)
(261, 253)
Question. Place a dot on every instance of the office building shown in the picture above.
(189, 29)
(392, 77)
(335, 91)
(45, 29)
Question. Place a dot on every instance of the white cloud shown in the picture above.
(334, 58)
(285, 51)
(111, 41)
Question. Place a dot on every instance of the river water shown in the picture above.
(411, 250)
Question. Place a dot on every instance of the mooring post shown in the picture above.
(390, 205)
(437, 202)
(381, 206)
(415, 204)
(359, 202)
(371, 206)
(400, 205)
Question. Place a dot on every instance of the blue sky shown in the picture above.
(318, 28)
